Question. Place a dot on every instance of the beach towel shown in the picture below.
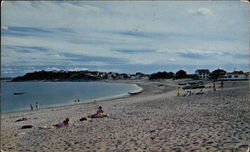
(22, 119)
(46, 127)
(85, 119)
(27, 126)
(99, 115)
(198, 93)
(60, 125)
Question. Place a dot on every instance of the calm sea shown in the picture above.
(50, 94)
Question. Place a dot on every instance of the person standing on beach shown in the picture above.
(37, 105)
(179, 91)
(31, 107)
(214, 87)
(222, 84)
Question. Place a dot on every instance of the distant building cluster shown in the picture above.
(235, 75)
(204, 74)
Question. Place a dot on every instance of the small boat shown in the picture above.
(18, 93)
(193, 86)
(135, 93)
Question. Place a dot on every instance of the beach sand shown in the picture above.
(155, 120)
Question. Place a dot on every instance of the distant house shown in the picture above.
(202, 74)
(235, 75)
(111, 75)
(123, 76)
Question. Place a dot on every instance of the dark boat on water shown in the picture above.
(18, 93)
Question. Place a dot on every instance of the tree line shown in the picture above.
(95, 75)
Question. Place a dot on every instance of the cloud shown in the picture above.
(20, 31)
(87, 58)
(150, 34)
(236, 55)
(191, 55)
(108, 70)
(27, 29)
(171, 59)
(200, 11)
(77, 69)
(52, 69)
(83, 6)
(135, 51)
(28, 49)
(4, 27)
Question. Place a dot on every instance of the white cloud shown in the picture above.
(87, 8)
(4, 27)
(200, 11)
(108, 70)
(171, 59)
(52, 69)
(76, 69)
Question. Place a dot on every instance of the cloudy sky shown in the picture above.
(131, 36)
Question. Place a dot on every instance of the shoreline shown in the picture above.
(89, 101)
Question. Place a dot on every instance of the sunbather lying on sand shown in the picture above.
(22, 119)
(188, 93)
(200, 92)
(65, 123)
(99, 114)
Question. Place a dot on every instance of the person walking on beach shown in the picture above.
(31, 107)
(37, 105)
(179, 91)
(214, 87)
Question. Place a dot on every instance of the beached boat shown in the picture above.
(193, 86)
(135, 93)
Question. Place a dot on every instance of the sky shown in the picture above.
(123, 37)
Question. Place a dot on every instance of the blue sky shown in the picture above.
(130, 36)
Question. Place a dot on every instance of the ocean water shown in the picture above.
(50, 94)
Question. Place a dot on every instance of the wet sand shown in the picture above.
(155, 120)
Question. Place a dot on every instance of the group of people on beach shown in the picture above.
(77, 100)
(189, 93)
(99, 114)
(36, 105)
(221, 85)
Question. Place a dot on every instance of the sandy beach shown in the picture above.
(155, 120)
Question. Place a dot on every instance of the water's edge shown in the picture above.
(90, 101)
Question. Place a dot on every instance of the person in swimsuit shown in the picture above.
(99, 113)
(65, 123)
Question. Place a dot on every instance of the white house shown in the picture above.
(236, 75)
(202, 74)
